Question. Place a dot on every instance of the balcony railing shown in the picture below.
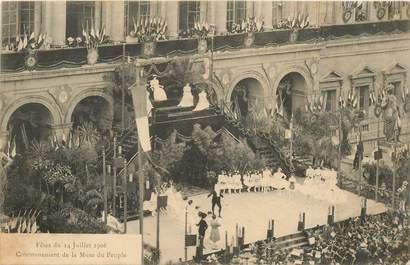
(75, 57)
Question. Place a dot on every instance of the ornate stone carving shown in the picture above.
(225, 79)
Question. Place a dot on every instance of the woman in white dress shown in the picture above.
(151, 205)
(237, 181)
(247, 181)
(159, 92)
(187, 99)
(202, 101)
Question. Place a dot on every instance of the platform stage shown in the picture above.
(251, 210)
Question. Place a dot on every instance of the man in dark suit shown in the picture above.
(216, 200)
(202, 226)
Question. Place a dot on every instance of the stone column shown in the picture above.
(37, 17)
(106, 18)
(266, 14)
(258, 8)
(61, 131)
(117, 21)
(172, 15)
(47, 17)
(4, 138)
(97, 15)
(58, 26)
(220, 16)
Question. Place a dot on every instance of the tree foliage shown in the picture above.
(313, 135)
(191, 161)
(51, 178)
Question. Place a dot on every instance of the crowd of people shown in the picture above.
(379, 239)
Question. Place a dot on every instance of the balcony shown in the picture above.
(76, 57)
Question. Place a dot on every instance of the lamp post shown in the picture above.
(360, 157)
(394, 168)
(114, 185)
(378, 161)
(125, 191)
(104, 183)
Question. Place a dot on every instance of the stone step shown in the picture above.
(298, 245)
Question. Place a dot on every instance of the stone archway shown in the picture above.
(29, 122)
(291, 93)
(245, 97)
(94, 109)
(51, 106)
(248, 92)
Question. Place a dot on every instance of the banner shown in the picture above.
(139, 100)
(143, 133)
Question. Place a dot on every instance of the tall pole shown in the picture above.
(114, 185)
(104, 183)
(377, 162)
(123, 89)
(186, 226)
(339, 162)
(360, 158)
(141, 197)
(125, 186)
(394, 168)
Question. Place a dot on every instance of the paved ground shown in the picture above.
(251, 210)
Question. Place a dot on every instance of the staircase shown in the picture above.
(261, 143)
(297, 240)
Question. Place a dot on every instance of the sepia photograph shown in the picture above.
(204, 132)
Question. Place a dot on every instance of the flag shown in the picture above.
(34, 227)
(13, 148)
(140, 108)
(23, 226)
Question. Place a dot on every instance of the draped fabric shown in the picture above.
(75, 57)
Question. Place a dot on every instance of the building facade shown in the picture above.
(345, 47)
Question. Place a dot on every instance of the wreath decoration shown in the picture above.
(377, 110)
(347, 15)
(381, 12)
(31, 60)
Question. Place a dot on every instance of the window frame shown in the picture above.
(185, 23)
(17, 25)
(233, 12)
(128, 23)
(88, 18)
(333, 81)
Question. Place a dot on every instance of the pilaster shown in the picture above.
(117, 21)
(61, 131)
(172, 16)
(58, 25)
(266, 14)
(220, 16)
(4, 138)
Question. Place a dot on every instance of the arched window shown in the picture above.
(235, 13)
(189, 13)
(135, 10)
(16, 18)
